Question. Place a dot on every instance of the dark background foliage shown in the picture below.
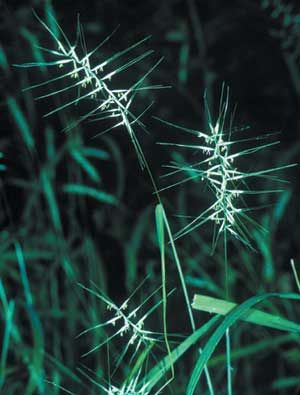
(254, 48)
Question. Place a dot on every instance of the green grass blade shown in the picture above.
(184, 288)
(271, 344)
(139, 363)
(286, 382)
(160, 230)
(86, 165)
(159, 371)
(36, 380)
(235, 314)
(295, 273)
(95, 153)
(62, 368)
(51, 200)
(281, 205)
(223, 307)
(3, 60)
(79, 189)
(159, 219)
(8, 319)
(36, 51)
(21, 122)
(50, 18)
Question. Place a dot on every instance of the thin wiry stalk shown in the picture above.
(228, 363)
(295, 274)
(227, 334)
(185, 292)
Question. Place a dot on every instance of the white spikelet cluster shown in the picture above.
(134, 387)
(93, 83)
(128, 324)
(227, 183)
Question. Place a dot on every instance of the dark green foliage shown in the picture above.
(81, 249)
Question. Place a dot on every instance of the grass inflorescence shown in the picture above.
(229, 185)
(82, 235)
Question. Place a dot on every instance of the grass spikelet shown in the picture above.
(217, 169)
(92, 83)
(126, 323)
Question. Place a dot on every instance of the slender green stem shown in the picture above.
(177, 261)
(185, 292)
(161, 239)
(228, 359)
(226, 265)
(295, 274)
(228, 353)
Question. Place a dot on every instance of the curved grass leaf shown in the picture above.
(8, 319)
(159, 371)
(261, 346)
(36, 380)
(21, 122)
(80, 189)
(86, 165)
(134, 245)
(235, 314)
(3, 60)
(51, 200)
(95, 153)
(223, 307)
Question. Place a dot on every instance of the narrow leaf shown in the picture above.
(80, 189)
(235, 314)
(21, 122)
(223, 307)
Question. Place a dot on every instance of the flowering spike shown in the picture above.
(90, 83)
(219, 172)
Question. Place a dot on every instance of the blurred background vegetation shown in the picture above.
(105, 231)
